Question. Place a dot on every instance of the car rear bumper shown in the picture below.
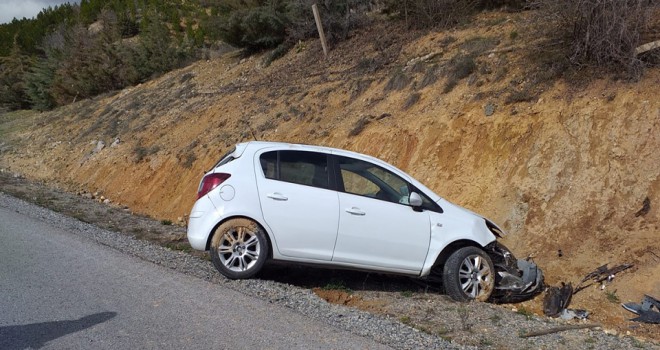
(203, 218)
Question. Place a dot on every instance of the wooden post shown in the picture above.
(319, 26)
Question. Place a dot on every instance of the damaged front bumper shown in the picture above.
(516, 280)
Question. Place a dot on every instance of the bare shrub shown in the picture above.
(449, 85)
(446, 41)
(187, 160)
(462, 66)
(398, 81)
(518, 96)
(359, 126)
(430, 77)
(338, 17)
(359, 87)
(433, 13)
(459, 68)
(369, 65)
(510, 5)
(599, 32)
(411, 100)
(269, 124)
(140, 152)
(276, 53)
(478, 44)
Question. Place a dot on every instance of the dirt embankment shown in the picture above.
(563, 168)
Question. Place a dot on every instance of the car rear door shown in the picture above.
(297, 203)
(377, 227)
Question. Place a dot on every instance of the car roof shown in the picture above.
(254, 146)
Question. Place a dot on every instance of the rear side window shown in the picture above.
(269, 164)
(299, 167)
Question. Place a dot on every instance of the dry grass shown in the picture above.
(520, 96)
(140, 152)
(398, 81)
(412, 100)
(430, 77)
(459, 68)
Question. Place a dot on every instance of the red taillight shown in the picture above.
(209, 182)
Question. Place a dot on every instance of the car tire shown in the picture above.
(239, 248)
(469, 274)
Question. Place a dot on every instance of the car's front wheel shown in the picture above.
(468, 274)
(239, 248)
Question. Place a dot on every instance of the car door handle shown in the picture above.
(355, 211)
(277, 196)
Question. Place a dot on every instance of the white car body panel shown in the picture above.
(454, 224)
(375, 232)
(302, 218)
(203, 217)
(299, 234)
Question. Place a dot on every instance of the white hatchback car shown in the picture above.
(324, 206)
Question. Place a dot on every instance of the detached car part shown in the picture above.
(557, 299)
(645, 310)
(516, 279)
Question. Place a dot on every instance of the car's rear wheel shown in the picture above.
(239, 248)
(469, 275)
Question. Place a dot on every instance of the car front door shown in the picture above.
(297, 203)
(377, 227)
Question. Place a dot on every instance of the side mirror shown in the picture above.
(415, 200)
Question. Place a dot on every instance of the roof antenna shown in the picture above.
(252, 132)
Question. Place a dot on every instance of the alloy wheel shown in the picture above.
(239, 249)
(475, 277)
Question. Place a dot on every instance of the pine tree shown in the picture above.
(92, 61)
(40, 78)
(13, 68)
(157, 53)
(39, 81)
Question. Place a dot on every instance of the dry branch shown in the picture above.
(647, 47)
(424, 58)
(559, 329)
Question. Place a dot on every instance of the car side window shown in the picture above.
(427, 203)
(367, 179)
(356, 184)
(299, 167)
(269, 164)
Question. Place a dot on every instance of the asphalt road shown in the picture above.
(59, 290)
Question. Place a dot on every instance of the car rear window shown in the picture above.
(226, 158)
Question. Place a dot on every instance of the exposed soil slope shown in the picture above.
(562, 168)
